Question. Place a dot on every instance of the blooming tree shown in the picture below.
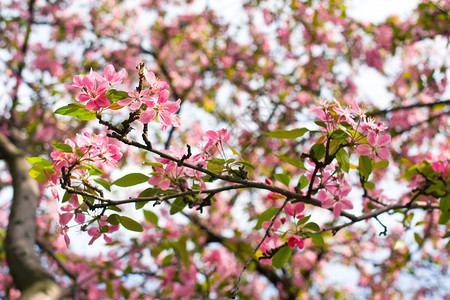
(300, 171)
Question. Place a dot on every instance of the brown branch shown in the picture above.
(379, 211)
(417, 105)
(47, 249)
(24, 265)
(238, 282)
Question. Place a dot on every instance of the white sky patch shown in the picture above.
(376, 11)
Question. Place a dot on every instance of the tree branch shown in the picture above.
(24, 265)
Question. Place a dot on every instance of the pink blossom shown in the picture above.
(162, 178)
(213, 138)
(295, 240)
(338, 204)
(156, 85)
(111, 76)
(299, 207)
(375, 148)
(163, 109)
(93, 93)
(95, 233)
(135, 100)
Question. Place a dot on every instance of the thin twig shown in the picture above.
(238, 282)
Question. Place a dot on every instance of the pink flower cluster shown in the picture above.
(170, 173)
(332, 114)
(153, 101)
(215, 140)
(94, 87)
(95, 149)
(156, 101)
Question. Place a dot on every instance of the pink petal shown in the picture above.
(291, 241)
(109, 72)
(288, 209)
(136, 105)
(346, 204)
(165, 119)
(66, 239)
(299, 207)
(80, 218)
(147, 116)
(92, 105)
(107, 239)
(65, 218)
(383, 140)
(124, 102)
(384, 153)
(102, 101)
(155, 179)
(363, 150)
(165, 184)
(328, 203)
(372, 137)
(149, 76)
(83, 97)
(163, 96)
(337, 210)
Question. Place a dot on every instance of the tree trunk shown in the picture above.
(25, 266)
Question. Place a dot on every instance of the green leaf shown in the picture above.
(79, 152)
(41, 162)
(215, 165)
(321, 124)
(115, 95)
(245, 163)
(66, 197)
(342, 159)
(63, 147)
(303, 182)
(312, 226)
(444, 205)
(418, 238)
(130, 224)
(283, 178)
(139, 204)
(381, 164)
(114, 208)
(235, 152)
(109, 289)
(317, 238)
(317, 151)
(153, 164)
(177, 205)
(339, 134)
(369, 185)
(365, 166)
(150, 192)
(113, 219)
(86, 116)
(281, 257)
(70, 110)
(38, 174)
(292, 161)
(151, 217)
(287, 134)
(93, 170)
(267, 215)
(167, 260)
(130, 180)
(103, 183)
(303, 220)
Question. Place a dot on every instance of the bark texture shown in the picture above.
(24, 264)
